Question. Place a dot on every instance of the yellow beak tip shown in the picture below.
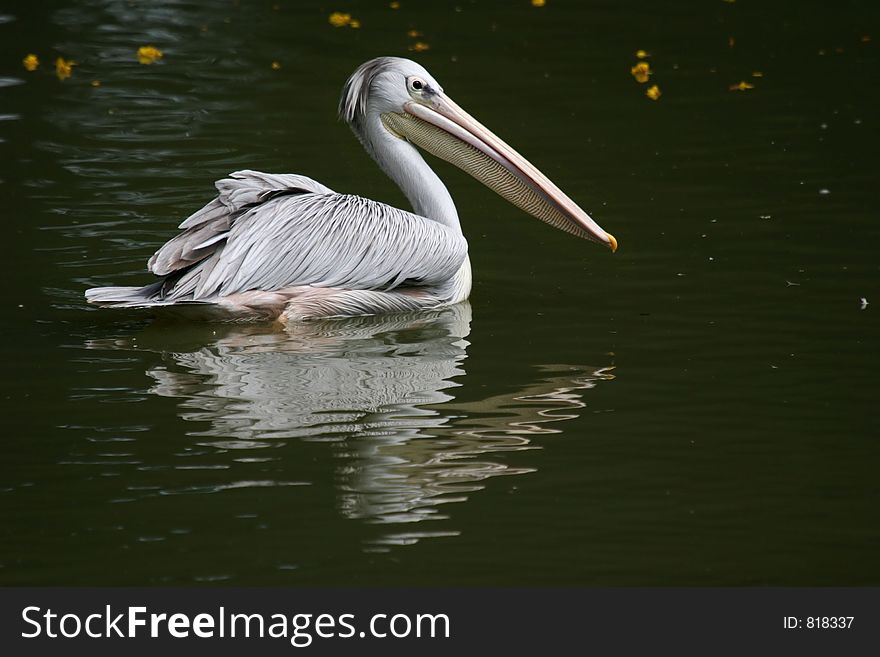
(612, 242)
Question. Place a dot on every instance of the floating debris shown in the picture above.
(148, 54)
(539, 3)
(824, 192)
(276, 66)
(95, 83)
(653, 92)
(64, 68)
(641, 72)
(419, 46)
(757, 74)
(412, 34)
(642, 54)
(394, 5)
(864, 303)
(742, 85)
(340, 19)
(31, 62)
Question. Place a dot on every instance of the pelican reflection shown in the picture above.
(382, 392)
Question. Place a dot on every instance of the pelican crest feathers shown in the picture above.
(356, 92)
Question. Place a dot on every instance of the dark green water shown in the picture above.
(699, 408)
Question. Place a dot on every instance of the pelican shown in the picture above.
(285, 247)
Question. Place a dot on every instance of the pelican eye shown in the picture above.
(417, 84)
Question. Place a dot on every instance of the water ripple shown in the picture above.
(378, 391)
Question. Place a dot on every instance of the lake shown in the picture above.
(695, 409)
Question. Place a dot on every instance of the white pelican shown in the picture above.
(282, 246)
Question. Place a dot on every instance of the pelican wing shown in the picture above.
(205, 229)
(273, 232)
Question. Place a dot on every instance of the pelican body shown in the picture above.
(285, 247)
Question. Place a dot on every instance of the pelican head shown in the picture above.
(408, 103)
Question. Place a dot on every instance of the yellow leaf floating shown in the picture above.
(539, 3)
(420, 46)
(757, 74)
(742, 86)
(641, 72)
(148, 54)
(31, 62)
(96, 83)
(394, 5)
(276, 66)
(339, 19)
(653, 92)
(412, 34)
(642, 54)
(64, 68)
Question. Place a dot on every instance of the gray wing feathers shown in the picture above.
(272, 231)
(115, 295)
(289, 234)
(205, 229)
(194, 243)
(326, 240)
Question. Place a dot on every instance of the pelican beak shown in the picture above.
(439, 126)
